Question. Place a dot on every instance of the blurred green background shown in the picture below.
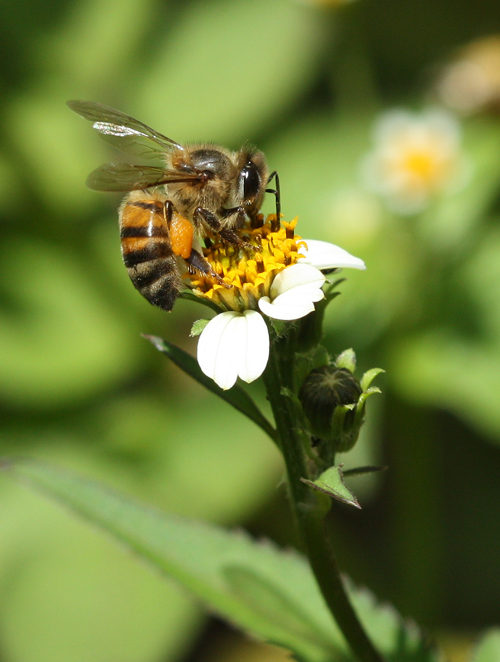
(305, 81)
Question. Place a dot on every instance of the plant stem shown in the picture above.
(308, 506)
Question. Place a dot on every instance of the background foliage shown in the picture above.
(80, 387)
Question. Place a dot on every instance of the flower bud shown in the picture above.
(324, 391)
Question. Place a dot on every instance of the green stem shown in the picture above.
(308, 506)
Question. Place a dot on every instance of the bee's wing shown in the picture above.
(123, 131)
(126, 177)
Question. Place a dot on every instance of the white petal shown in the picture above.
(288, 312)
(234, 344)
(294, 276)
(217, 349)
(299, 295)
(323, 255)
(252, 360)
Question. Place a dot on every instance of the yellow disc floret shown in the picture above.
(247, 270)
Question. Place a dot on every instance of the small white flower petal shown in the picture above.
(217, 348)
(299, 295)
(234, 344)
(293, 292)
(286, 313)
(323, 255)
(294, 276)
(252, 360)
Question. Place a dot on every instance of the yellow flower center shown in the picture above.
(429, 166)
(248, 270)
(422, 164)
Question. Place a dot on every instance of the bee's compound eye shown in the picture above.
(250, 179)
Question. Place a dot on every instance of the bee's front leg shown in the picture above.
(275, 192)
(234, 218)
(205, 217)
(220, 227)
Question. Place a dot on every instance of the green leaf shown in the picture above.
(67, 594)
(331, 482)
(236, 396)
(256, 586)
(488, 649)
(197, 328)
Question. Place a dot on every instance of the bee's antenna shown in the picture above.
(276, 192)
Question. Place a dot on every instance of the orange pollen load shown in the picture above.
(181, 235)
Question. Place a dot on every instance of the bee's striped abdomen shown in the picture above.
(146, 250)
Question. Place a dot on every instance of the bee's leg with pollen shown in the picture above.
(181, 230)
(198, 262)
(168, 210)
(218, 226)
(276, 192)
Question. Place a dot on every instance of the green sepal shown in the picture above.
(360, 406)
(338, 419)
(331, 482)
(280, 327)
(345, 426)
(198, 327)
(347, 360)
(236, 396)
(305, 363)
(331, 291)
(369, 376)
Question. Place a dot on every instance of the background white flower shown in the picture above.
(472, 81)
(416, 158)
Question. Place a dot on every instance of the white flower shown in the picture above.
(235, 344)
(416, 157)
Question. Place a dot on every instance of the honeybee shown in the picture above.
(207, 189)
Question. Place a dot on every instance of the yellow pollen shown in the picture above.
(248, 268)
